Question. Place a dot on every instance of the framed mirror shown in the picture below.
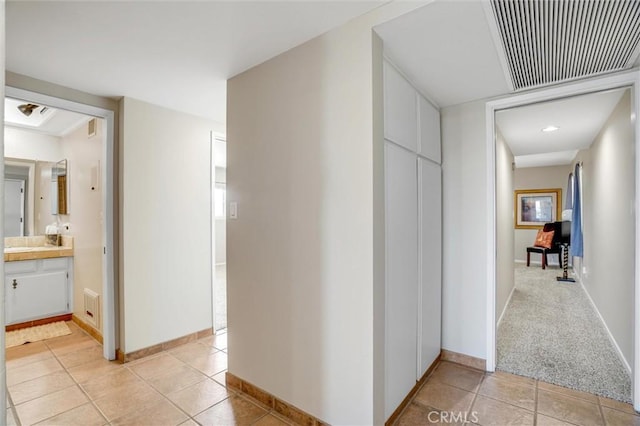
(59, 188)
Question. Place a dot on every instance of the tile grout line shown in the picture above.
(77, 384)
(189, 417)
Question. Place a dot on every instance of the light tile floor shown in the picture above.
(454, 393)
(65, 381)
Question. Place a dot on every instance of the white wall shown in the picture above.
(166, 223)
(609, 224)
(30, 145)
(464, 275)
(85, 211)
(537, 178)
(505, 279)
(301, 319)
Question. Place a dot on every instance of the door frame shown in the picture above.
(108, 228)
(630, 79)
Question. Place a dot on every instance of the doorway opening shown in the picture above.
(219, 186)
(622, 80)
(83, 135)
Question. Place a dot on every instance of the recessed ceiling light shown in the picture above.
(550, 129)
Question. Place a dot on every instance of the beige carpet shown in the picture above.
(34, 334)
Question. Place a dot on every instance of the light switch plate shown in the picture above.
(233, 210)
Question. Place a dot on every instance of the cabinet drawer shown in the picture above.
(54, 264)
(20, 267)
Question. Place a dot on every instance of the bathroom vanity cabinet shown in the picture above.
(38, 288)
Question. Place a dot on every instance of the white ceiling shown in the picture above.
(579, 119)
(58, 122)
(447, 50)
(174, 54)
(180, 54)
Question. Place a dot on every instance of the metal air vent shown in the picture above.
(549, 41)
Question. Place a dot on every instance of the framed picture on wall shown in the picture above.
(535, 207)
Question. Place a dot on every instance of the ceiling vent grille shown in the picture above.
(549, 41)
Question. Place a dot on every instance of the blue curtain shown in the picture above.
(576, 248)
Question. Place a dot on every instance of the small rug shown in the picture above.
(551, 332)
(36, 333)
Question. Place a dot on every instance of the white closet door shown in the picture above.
(400, 110)
(430, 287)
(429, 130)
(401, 222)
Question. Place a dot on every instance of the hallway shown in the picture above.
(551, 332)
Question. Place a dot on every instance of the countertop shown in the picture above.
(30, 248)
(13, 254)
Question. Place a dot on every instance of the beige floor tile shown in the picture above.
(116, 382)
(198, 397)
(189, 422)
(521, 380)
(542, 420)
(50, 405)
(158, 413)
(82, 356)
(40, 386)
(210, 364)
(458, 376)
(570, 392)
(271, 420)
(572, 410)
(84, 415)
(71, 343)
(11, 420)
(490, 412)
(416, 414)
(444, 397)
(32, 371)
(511, 392)
(148, 368)
(619, 418)
(118, 404)
(191, 351)
(26, 354)
(234, 410)
(176, 379)
(90, 370)
(221, 378)
(621, 406)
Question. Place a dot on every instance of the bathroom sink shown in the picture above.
(18, 249)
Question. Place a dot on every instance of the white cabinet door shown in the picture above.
(35, 296)
(400, 110)
(401, 289)
(429, 130)
(430, 287)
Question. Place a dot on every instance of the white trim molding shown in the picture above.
(611, 81)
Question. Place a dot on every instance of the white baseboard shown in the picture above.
(611, 338)
(506, 305)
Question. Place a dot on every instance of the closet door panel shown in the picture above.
(401, 222)
(430, 266)
(400, 110)
(429, 130)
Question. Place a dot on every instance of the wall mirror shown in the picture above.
(28, 206)
(59, 190)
